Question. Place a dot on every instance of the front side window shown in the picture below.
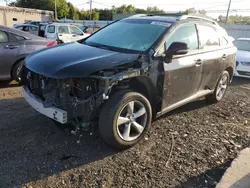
(51, 29)
(243, 45)
(3, 37)
(63, 29)
(129, 34)
(75, 31)
(209, 38)
(186, 34)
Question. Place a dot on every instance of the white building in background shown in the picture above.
(14, 15)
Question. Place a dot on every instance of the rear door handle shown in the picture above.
(224, 56)
(198, 62)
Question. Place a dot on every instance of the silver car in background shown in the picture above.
(33, 29)
(15, 45)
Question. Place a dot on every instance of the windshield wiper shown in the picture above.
(100, 46)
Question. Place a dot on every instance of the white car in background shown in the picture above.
(242, 57)
(64, 33)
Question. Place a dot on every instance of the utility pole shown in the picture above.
(228, 10)
(6, 1)
(90, 9)
(55, 11)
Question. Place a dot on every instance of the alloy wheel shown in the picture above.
(222, 87)
(131, 121)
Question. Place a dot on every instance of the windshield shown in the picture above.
(243, 45)
(137, 35)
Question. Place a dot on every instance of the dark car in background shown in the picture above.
(15, 45)
(130, 72)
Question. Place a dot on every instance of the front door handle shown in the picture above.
(198, 62)
(224, 56)
(10, 46)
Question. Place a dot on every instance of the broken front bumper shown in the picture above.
(52, 112)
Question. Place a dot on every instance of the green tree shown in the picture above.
(154, 9)
(37, 4)
(94, 15)
(62, 8)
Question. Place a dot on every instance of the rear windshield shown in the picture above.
(243, 45)
(136, 35)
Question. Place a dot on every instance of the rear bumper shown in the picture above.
(54, 113)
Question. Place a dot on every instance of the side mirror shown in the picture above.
(177, 48)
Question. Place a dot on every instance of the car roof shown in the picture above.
(59, 24)
(26, 25)
(248, 39)
(21, 33)
(170, 19)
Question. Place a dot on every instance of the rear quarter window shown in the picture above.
(51, 29)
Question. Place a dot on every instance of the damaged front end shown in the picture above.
(77, 101)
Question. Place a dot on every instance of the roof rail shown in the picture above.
(200, 17)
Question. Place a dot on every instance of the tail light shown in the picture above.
(54, 43)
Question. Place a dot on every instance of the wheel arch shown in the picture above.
(230, 70)
(144, 86)
(14, 64)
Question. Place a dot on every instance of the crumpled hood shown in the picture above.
(75, 60)
(243, 56)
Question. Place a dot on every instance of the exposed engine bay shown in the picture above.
(80, 97)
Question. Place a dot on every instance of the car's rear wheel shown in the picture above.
(17, 71)
(220, 90)
(124, 119)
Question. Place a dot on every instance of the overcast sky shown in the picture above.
(175, 5)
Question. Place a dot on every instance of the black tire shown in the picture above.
(109, 115)
(214, 98)
(17, 70)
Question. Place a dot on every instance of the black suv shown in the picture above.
(130, 72)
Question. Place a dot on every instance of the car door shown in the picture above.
(213, 55)
(76, 33)
(183, 73)
(64, 34)
(50, 32)
(9, 49)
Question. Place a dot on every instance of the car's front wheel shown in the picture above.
(220, 89)
(124, 119)
(17, 71)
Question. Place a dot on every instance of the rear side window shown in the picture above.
(25, 28)
(63, 29)
(186, 34)
(51, 29)
(34, 28)
(3, 37)
(224, 41)
(89, 30)
(18, 37)
(209, 38)
(96, 29)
